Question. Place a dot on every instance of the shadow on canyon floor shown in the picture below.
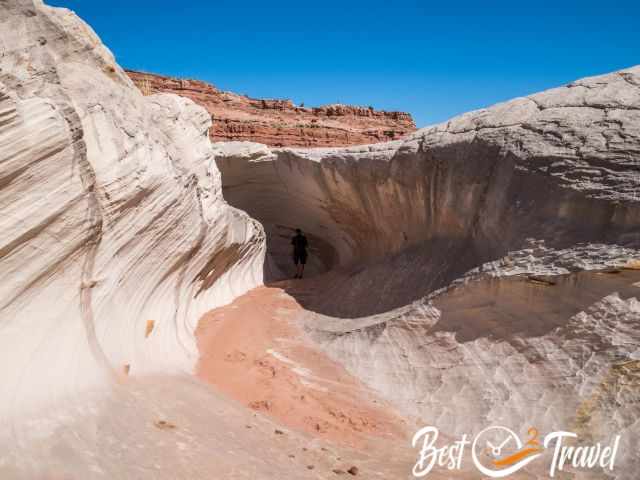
(384, 284)
(505, 308)
(381, 285)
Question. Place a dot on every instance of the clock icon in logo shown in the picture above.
(498, 451)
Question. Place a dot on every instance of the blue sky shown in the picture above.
(432, 59)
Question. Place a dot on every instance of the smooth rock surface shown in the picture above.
(112, 216)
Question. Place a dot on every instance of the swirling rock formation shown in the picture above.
(279, 122)
(113, 218)
(480, 271)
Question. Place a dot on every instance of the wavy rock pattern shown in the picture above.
(112, 215)
(480, 271)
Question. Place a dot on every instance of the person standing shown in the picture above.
(299, 242)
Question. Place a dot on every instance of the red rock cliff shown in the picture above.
(280, 122)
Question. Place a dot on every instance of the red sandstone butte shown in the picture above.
(280, 123)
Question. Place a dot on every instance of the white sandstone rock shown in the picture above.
(112, 216)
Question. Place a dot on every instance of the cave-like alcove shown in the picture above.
(388, 228)
(371, 236)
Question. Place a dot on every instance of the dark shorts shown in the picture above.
(300, 257)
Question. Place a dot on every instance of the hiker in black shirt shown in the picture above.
(299, 242)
